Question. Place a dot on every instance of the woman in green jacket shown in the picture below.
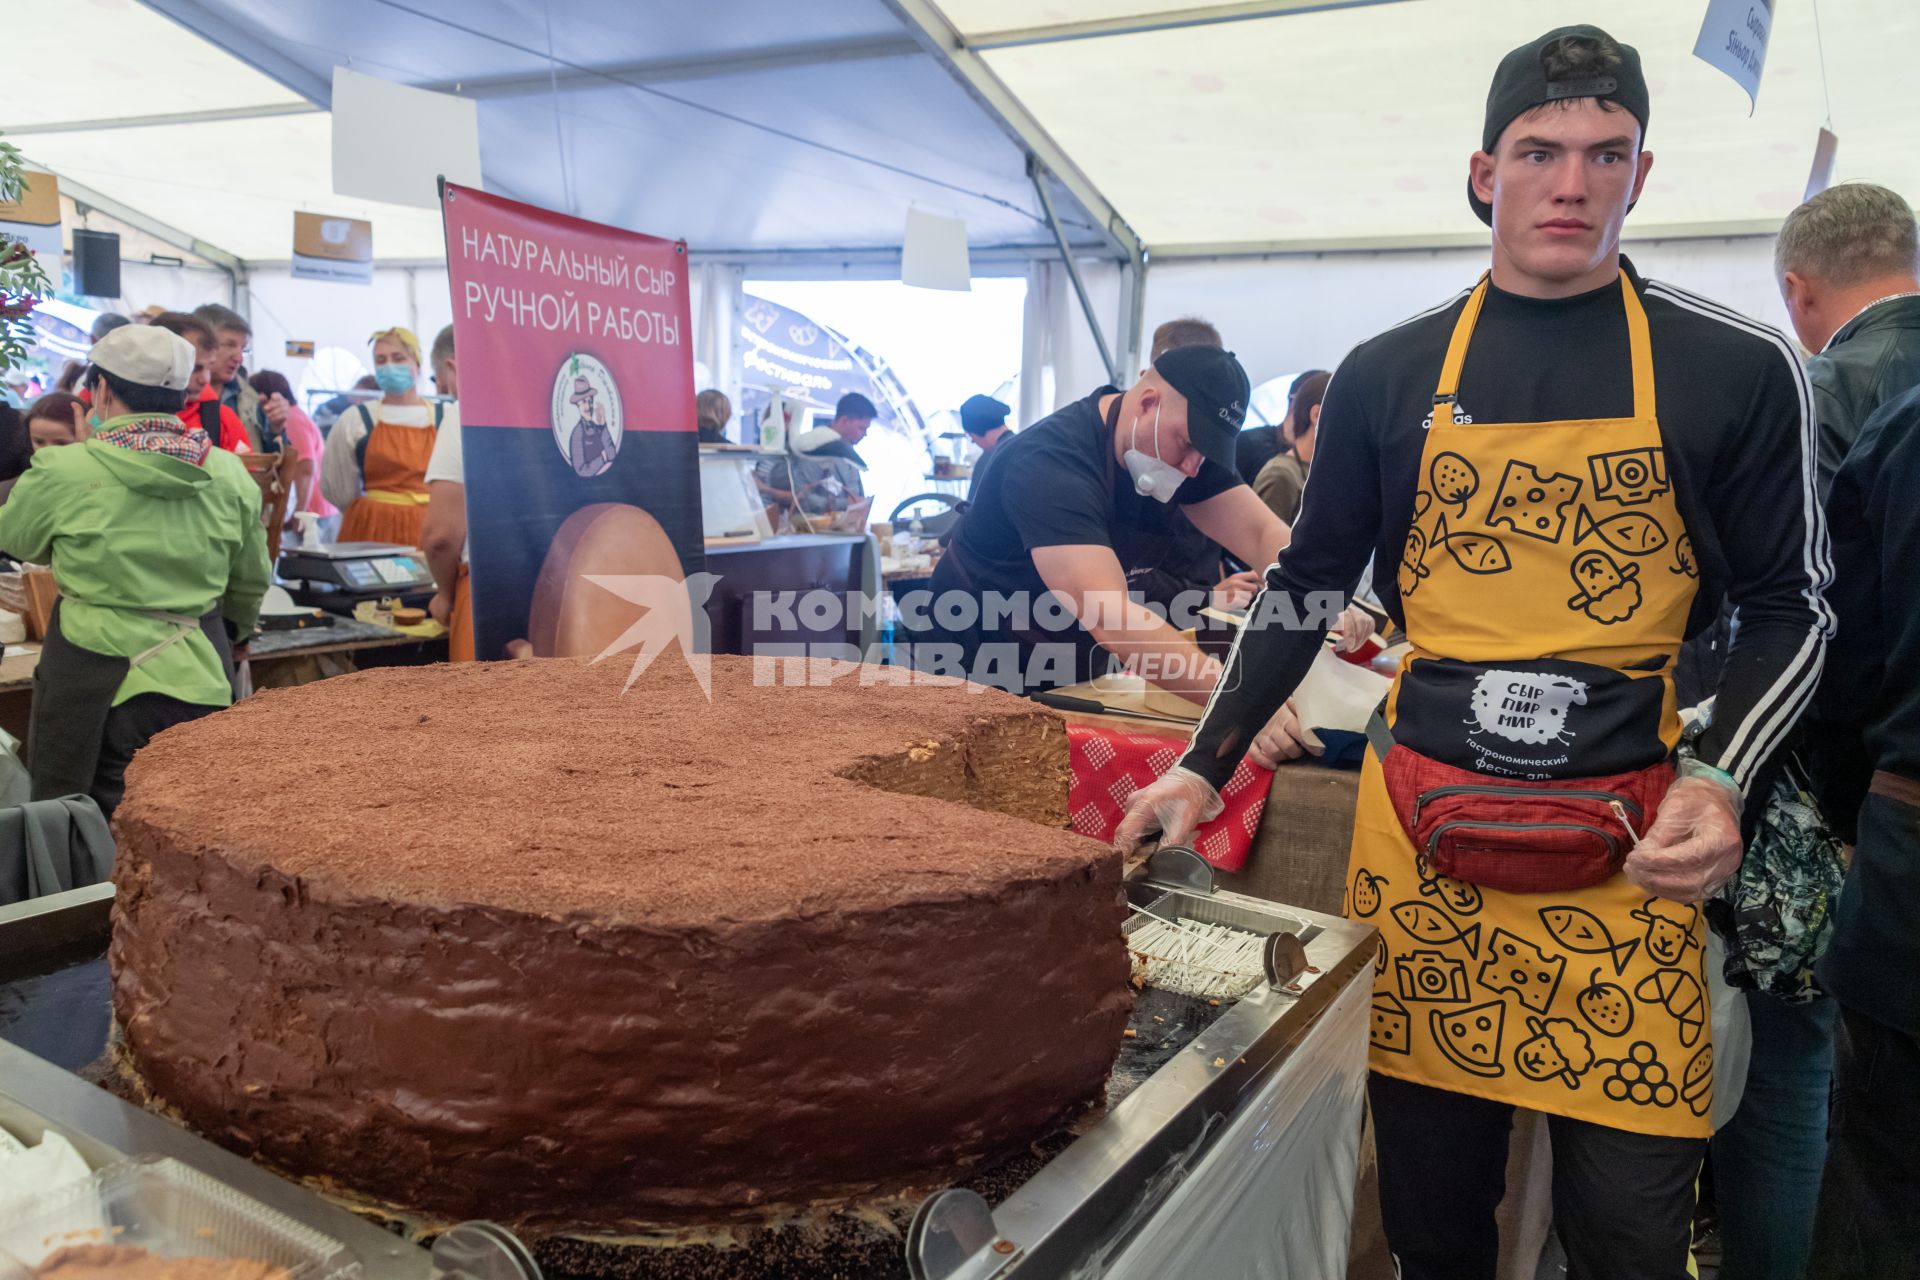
(157, 546)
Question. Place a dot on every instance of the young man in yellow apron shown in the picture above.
(1570, 467)
(155, 540)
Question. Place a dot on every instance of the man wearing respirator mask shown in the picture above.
(1033, 593)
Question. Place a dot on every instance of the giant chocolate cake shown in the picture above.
(499, 940)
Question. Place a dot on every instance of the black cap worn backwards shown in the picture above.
(855, 405)
(1216, 391)
(981, 414)
(1520, 84)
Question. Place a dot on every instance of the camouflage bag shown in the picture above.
(1776, 914)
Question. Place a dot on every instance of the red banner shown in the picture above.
(574, 343)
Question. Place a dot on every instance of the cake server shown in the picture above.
(1087, 706)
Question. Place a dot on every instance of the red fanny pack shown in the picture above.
(1521, 836)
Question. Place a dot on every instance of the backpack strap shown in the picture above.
(360, 445)
(210, 421)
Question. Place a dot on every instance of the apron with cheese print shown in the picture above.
(1546, 585)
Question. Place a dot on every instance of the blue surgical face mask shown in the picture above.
(1152, 477)
(394, 379)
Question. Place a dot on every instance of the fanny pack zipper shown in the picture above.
(1433, 841)
(1469, 789)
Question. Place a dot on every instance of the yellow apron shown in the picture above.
(1538, 550)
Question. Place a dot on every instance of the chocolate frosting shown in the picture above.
(500, 941)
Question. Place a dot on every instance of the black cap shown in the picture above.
(1216, 391)
(981, 414)
(1520, 84)
(855, 405)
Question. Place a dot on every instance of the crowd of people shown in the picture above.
(130, 483)
(1654, 568)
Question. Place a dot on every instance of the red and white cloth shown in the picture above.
(1109, 766)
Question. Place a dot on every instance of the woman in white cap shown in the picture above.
(156, 543)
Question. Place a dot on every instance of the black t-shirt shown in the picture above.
(1057, 484)
(1733, 405)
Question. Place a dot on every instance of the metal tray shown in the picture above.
(1094, 1195)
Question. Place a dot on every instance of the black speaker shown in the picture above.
(96, 263)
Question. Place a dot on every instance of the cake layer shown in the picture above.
(503, 941)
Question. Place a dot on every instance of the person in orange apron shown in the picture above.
(375, 464)
(1569, 468)
(444, 536)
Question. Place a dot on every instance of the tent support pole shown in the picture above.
(1037, 174)
(1133, 305)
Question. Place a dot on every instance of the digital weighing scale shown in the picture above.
(338, 576)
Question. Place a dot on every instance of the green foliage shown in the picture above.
(22, 281)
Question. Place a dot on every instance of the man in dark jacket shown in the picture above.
(1846, 262)
(1869, 1223)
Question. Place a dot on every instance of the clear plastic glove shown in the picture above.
(1353, 628)
(1174, 805)
(1693, 846)
(1284, 738)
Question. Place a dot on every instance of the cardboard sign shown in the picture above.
(34, 220)
(1825, 148)
(1733, 38)
(393, 142)
(576, 382)
(326, 247)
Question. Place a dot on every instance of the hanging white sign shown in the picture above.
(1734, 39)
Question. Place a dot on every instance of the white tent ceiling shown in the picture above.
(742, 125)
(755, 125)
(1351, 124)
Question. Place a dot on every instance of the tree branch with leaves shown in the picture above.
(22, 281)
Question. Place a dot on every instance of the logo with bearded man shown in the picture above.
(586, 415)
